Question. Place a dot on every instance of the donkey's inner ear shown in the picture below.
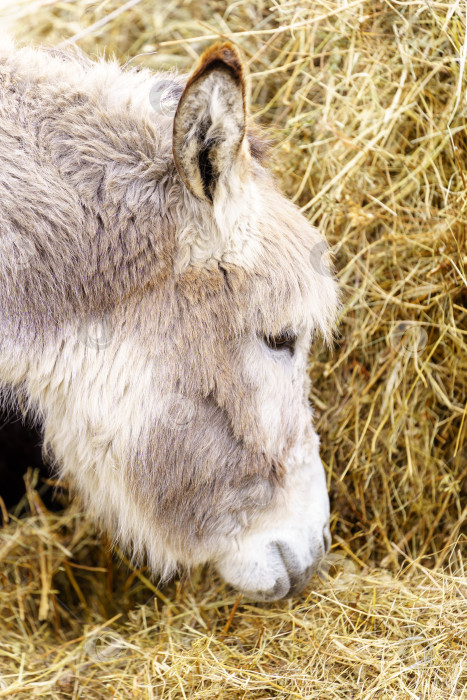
(210, 121)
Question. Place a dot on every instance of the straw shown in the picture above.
(366, 105)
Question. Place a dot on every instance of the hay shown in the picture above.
(366, 102)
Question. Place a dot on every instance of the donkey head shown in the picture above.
(187, 427)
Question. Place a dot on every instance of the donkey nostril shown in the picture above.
(298, 576)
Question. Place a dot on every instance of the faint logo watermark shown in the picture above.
(255, 491)
(408, 338)
(96, 333)
(338, 570)
(407, 650)
(321, 260)
(105, 644)
(164, 97)
(175, 410)
(459, 458)
(16, 251)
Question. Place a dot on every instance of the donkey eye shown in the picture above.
(286, 340)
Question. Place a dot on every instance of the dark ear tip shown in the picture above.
(220, 55)
(226, 53)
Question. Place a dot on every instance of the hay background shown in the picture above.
(367, 107)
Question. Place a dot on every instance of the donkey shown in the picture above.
(158, 298)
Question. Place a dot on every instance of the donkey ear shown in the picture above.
(210, 121)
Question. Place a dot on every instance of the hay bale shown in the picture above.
(367, 107)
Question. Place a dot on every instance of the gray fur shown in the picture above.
(97, 224)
